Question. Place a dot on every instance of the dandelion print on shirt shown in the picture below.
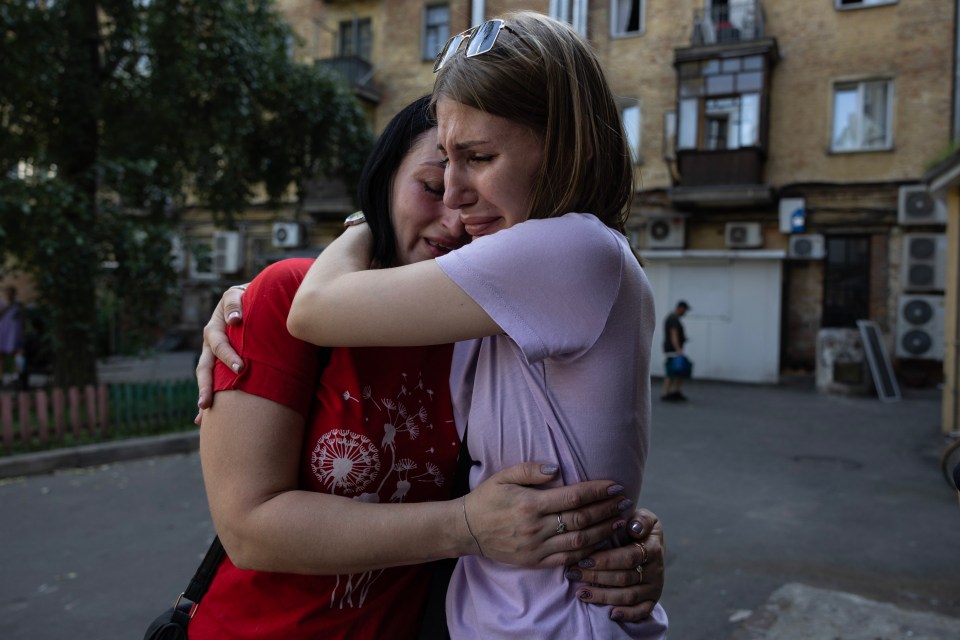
(384, 465)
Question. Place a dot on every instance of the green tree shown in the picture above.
(114, 115)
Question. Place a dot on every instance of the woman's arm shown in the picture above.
(250, 449)
(343, 303)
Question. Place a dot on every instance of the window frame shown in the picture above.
(614, 33)
(634, 145)
(357, 46)
(573, 12)
(430, 56)
(860, 85)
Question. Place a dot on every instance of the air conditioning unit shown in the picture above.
(918, 206)
(668, 232)
(924, 262)
(227, 251)
(288, 235)
(743, 235)
(920, 325)
(807, 246)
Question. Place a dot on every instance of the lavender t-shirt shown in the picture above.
(569, 382)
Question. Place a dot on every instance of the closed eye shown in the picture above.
(437, 191)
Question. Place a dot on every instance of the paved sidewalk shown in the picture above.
(789, 514)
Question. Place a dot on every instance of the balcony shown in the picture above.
(721, 178)
(730, 22)
(356, 71)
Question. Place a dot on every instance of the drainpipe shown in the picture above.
(478, 10)
(955, 132)
(954, 211)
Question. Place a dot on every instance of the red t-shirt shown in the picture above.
(379, 428)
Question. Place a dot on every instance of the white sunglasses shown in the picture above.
(482, 38)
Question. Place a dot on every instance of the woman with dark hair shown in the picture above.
(329, 471)
(552, 309)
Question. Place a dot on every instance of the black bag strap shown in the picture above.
(201, 580)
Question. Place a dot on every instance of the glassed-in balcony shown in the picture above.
(724, 22)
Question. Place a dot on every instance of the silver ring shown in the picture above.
(639, 568)
(561, 527)
(241, 287)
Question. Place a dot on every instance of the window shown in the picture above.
(720, 103)
(846, 281)
(626, 17)
(630, 115)
(436, 30)
(859, 4)
(670, 135)
(356, 39)
(861, 116)
(573, 12)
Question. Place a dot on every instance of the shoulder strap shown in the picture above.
(201, 580)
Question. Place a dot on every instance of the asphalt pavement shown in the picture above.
(789, 514)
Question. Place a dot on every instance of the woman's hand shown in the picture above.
(629, 577)
(217, 345)
(519, 525)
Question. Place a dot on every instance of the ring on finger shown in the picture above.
(561, 526)
(639, 569)
(643, 550)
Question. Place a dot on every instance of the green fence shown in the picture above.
(52, 418)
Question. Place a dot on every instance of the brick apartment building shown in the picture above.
(780, 150)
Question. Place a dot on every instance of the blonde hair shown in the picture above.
(542, 74)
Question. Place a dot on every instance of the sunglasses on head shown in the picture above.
(482, 38)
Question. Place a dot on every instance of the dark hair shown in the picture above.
(376, 180)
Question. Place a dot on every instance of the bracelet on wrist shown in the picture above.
(355, 218)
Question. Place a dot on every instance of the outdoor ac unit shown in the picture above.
(668, 232)
(919, 206)
(227, 251)
(924, 262)
(807, 246)
(743, 235)
(920, 325)
(288, 235)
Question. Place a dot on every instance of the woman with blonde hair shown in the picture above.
(552, 308)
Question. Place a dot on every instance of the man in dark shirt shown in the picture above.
(673, 341)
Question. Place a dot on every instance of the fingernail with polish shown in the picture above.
(636, 527)
(616, 616)
(584, 594)
(233, 316)
(615, 490)
(587, 563)
(236, 367)
(573, 574)
(549, 469)
(625, 504)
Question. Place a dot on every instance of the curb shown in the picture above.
(89, 455)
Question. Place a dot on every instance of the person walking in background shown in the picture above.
(11, 332)
(674, 338)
